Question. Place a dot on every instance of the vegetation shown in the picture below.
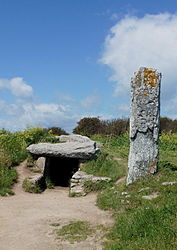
(90, 126)
(112, 161)
(94, 126)
(49, 183)
(140, 223)
(30, 187)
(7, 174)
(90, 186)
(56, 131)
(75, 231)
(13, 151)
(168, 125)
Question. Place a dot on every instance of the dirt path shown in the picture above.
(25, 219)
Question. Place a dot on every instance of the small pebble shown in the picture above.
(169, 183)
(125, 201)
(124, 193)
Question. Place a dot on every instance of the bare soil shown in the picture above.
(25, 218)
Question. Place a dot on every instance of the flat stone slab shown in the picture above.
(83, 151)
(151, 196)
(73, 138)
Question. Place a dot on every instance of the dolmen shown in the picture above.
(60, 161)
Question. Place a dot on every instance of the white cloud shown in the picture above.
(150, 41)
(17, 86)
(26, 112)
(9, 109)
(66, 98)
(90, 101)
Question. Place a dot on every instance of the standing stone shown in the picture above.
(144, 124)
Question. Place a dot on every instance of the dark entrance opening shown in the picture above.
(60, 170)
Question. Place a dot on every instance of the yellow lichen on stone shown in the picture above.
(145, 92)
(138, 78)
(153, 167)
(150, 77)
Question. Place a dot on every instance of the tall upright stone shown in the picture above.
(144, 124)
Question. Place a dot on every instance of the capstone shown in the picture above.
(83, 151)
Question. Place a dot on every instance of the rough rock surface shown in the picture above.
(83, 151)
(151, 196)
(36, 180)
(169, 183)
(40, 164)
(144, 124)
(78, 179)
(73, 138)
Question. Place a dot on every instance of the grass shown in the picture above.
(31, 188)
(90, 186)
(140, 223)
(75, 231)
(55, 224)
(112, 161)
(8, 177)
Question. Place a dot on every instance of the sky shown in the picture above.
(62, 60)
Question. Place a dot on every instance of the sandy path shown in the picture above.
(25, 218)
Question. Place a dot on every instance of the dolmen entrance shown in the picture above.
(60, 162)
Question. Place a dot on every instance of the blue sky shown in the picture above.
(61, 60)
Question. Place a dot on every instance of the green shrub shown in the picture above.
(34, 135)
(14, 146)
(30, 161)
(49, 183)
(8, 175)
(90, 126)
(168, 142)
(56, 131)
(31, 188)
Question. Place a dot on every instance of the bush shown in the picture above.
(56, 131)
(88, 126)
(34, 135)
(14, 146)
(92, 126)
(168, 125)
(8, 175)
